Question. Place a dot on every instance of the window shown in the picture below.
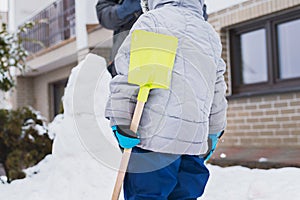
(58, 89)
(264, 54)
(288, 46)
(254, 57)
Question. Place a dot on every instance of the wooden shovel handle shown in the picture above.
(121, 174)
(127, 152)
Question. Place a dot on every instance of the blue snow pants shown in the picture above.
(158, 176)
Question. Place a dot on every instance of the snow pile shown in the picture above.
(73, 171)
(85, 154)
(31, 124)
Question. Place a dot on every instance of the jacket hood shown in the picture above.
(195, 5)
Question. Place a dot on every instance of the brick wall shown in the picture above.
(271, 120)
(265, 120)
(249, 10)
(24, 92)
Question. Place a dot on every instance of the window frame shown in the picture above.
(54, 110)
(276, 54)
(274, 83)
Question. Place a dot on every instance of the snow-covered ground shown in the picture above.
(85, 156)
(85, 179)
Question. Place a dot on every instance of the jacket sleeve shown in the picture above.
(107, 16)
(122, 99)
(217, 119)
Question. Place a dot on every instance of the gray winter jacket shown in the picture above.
(177, 120)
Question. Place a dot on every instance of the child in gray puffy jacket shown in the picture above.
(180, 127)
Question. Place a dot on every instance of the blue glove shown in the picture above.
(126, 137)
(127, 8)
(213, 140)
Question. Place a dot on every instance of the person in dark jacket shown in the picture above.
(119, 16)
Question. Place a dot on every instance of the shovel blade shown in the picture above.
(152, 57)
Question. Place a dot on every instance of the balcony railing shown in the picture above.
(55, 23)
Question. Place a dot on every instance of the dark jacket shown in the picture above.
(107, 16)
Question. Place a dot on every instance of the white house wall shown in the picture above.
(85, 14)
(53, 59)
(101, 38)
(42, 89)
(91, 15)
(55, 63)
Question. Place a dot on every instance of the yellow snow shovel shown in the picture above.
(152, 57)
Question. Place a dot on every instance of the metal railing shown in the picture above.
(54, 24)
